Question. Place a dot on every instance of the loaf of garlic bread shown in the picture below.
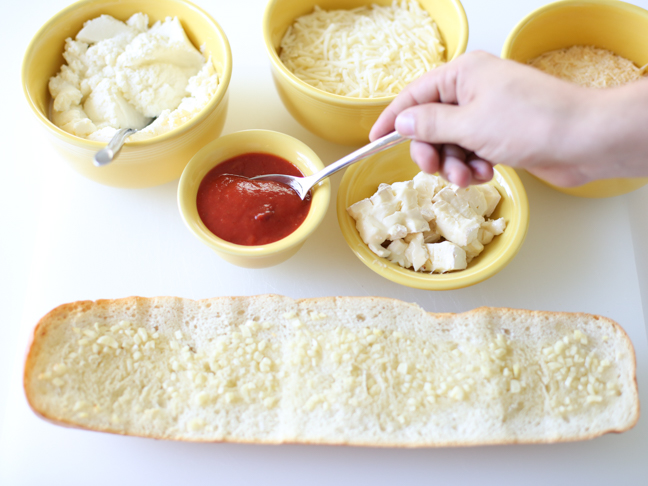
(339, 370)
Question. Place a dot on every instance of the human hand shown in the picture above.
(479, 110)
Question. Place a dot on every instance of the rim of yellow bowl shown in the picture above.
(186, 200)
(518, 225)
(618, 4)
(325, 96)
(223, 84)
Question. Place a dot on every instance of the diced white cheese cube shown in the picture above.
(411, 219)
(372, 231)
(448, 195)
(473, 249)
(414, 217)
(492, 197)
(445, 256)
(397, 251)
(431, 236)
(379, 250)
(360, 209)
(427, 185)
(474, 197)
(416, 252)
(384, 203)
(396, 232)
(414, 221)
(405, 193)
(495, 226)
(453, 226)
(425, 206)
(484, 236)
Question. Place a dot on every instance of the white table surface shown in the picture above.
(65, 238)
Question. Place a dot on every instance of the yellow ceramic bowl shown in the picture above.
(337, 118)
(238, 143)
(140, 164)
(361, 181)
(608, 24)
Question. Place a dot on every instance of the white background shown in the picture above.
(64, 238)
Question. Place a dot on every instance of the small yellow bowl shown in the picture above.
(607, 24)
(140, 164)
(361, 181)
(336, 118)
(255, 141)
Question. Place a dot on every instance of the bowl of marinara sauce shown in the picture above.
(251, 223)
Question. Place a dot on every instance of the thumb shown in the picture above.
(437, 123)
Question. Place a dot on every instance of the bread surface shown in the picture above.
(338, 370)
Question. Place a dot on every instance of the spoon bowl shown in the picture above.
(107, 154)
(303, 185)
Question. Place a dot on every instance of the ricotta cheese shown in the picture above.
(427, 224)
(125, 75)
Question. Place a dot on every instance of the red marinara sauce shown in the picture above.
(247, 212)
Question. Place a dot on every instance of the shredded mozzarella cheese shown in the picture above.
(367, 52)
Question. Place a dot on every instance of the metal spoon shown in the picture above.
(110, 151)
(301, 185)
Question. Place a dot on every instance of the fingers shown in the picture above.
(436, 86)
(453, 166)
(426, 156)
(434, 123)
(452, 162)
(482, 170)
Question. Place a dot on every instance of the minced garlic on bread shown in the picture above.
(338, 370)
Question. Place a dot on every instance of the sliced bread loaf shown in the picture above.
(339, 370)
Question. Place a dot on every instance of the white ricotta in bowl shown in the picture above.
(125, 75)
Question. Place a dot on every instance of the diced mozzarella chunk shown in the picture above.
(431, 236)
(445, 256)
(484, 236)
(453, 226)
(415, 216)
(405, 193)
(415, 222)
(379, 250)
(371, 229)
(425, 206)
(397, 250)
(360, 209)
(384, 202)
(495, 226)
(396, 232)
(416, 252)
(427, 185)
(475, 198)
(473, 249)
(492, 198)
(448, 195)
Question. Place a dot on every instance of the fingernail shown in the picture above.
(405, 124)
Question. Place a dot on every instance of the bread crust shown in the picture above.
(62, 314)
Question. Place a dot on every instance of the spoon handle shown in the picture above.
(374, 147)
(107, 154)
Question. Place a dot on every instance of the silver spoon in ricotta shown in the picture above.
(107, 154)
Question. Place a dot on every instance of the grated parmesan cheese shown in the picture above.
(366, 52)
(588, 66)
